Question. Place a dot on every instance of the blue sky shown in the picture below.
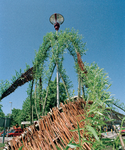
(23, 24)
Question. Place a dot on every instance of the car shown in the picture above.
(123, 132)
(6, 133)
(16, 132)
(1, 133)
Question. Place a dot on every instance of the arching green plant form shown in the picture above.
(51, 52)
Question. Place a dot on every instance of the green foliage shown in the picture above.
(92, 131)
(94, 120)
(116, 143)
(1, 112)
(52, 51)
(15, 117)
(2, 145)
(52, 95)
(51, 100)
(4, 85)
(97, 81)
(1, 115)
(20, 148)
(115, 104)
(27, 67)
(25, 114)
(18, 74)
(96, 84)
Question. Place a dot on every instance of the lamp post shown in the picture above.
(10, 108)
(57, 19)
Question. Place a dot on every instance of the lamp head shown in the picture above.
(56, 20)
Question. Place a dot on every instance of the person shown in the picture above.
(17, 125)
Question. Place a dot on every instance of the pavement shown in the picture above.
(5, 139)
(105, 135)
(110, 135)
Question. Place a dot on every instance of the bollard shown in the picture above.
(111, 131)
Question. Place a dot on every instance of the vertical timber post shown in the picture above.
(79, 86)
(40, 96)
(31, 103)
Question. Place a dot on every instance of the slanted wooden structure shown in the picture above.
(25, 77)
(54, 129)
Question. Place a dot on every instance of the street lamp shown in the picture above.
(10, 108)
(57, 20)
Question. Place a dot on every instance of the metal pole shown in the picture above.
(57, 74)
(56, 20)
(57, 85)
(4, 130)
(11, 107)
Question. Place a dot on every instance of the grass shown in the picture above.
(2, 146)
(110, 144)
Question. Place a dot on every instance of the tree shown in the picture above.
(1, 115)
(1, 112)
(25, 114)
(15, 117)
